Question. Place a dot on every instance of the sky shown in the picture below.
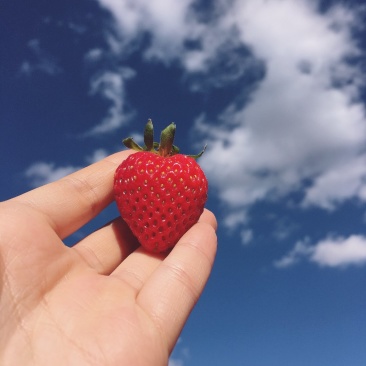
(276, 89)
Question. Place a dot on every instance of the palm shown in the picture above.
(102, 302)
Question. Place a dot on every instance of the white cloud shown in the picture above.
(304, 122)
(180, 354)
(340, 252)
(235, 218)
(246, 236)
(177, 33)
(175, 362)
(41, 173)
(77, 28)
(40, 61)
(96, 156)
(338, 183)
(110, 85)
(336, 252)
(167, 21)
(301, 249)
(94, 55)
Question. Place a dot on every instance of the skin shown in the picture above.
(104, 301)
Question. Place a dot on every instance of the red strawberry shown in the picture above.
(159, 192)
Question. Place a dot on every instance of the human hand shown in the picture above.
(104, 301)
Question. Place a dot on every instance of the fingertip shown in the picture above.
(208, 217)
(118, 157)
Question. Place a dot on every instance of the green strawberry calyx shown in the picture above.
(164, 148)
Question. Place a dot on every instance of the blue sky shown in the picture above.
(276, 89)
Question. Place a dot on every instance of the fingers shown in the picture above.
(107, 247)
(175, 286)
(209, 218)
(72, 201)
(166, 287)
(138, 267)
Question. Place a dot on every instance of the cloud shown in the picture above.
(344, 181)
(335, 252)
(40, 61)
(246, 236)
(301, 249)
(94, 55)
(235, 218)
(111, 85)
(169, 32)
(340, 252)
(181, 354)
(304, 124)
(96, 156)
(41, 173)
(167, 23)
(175, 362)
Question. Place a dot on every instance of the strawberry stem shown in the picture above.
(149, 135)
(195, 157)
(165, 148)
(166, 140)
(128, 142)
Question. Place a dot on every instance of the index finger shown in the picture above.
(72, 201)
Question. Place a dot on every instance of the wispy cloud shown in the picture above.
(39, 61)
(181, 354)
(94, 55)
(96, 156)
(175, 362)
(168, 23)
(246, 236)
(41, 172)
(335, 252)
(180, 33)
(302, 249)
(111, 86)
(338, 183)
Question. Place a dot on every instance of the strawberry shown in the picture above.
(159, 193)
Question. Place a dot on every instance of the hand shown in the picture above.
(104, 301)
